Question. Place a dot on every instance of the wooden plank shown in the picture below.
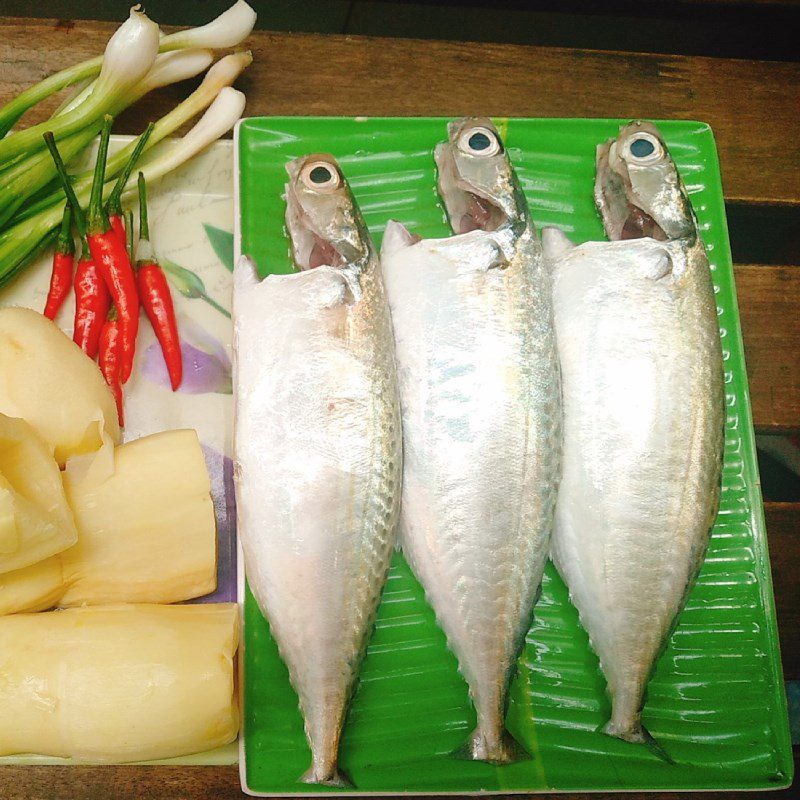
(769, 298)
(751, 105)
(222, 783)
(783, 534)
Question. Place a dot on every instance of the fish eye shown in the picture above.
(644, 148)
(320, 176)
(480, 142)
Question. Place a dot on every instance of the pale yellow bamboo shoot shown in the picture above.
(147, 533)
(35, 520)
(46, 379)
(34, 588)
(119, 683)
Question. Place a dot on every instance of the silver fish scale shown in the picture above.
(318, 469)
(480, 398)
(643, 434)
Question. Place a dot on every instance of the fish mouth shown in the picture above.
(467, 209)
(311, 247)
(616, 200)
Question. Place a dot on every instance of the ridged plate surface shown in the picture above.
(716, 701)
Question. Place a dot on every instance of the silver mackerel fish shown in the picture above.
(480, 399)
(641, 361)
(318, 448)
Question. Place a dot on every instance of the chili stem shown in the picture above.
(144, 227)
(129, 234)
(114, 204)
(77, 212)
(98, 219)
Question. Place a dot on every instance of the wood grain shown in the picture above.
(783, 535)
(751, 105)
(769, 299)
(222, 783)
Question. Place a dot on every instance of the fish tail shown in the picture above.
(636, 733)
(497, 750)
(331, 776)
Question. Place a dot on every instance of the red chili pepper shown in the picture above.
(110, 357)
(156, 297)
(108, 250)
(92, 302)
(117, 225)
(114, 202)
(63, 261)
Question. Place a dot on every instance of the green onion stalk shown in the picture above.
(19, 243)
(22, 181)
(222, 74)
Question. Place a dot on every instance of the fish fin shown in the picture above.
(335, 779)
(506, 751)
(660, 265)
(637, 734)
(555, 242)
(245, 274)
(396, 237)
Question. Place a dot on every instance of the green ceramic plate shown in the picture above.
(716, 701)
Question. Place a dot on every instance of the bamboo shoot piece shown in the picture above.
(34, 588)
(109, 684)
(147, 533)
(47, 380)
(35, 520)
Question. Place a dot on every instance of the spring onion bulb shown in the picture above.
(173, 67)
(178, 65)
(228, 30)
(220, 117)
(129, 55)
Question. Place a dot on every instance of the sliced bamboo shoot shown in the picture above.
(33, 588)
(118, 683)
(46, 379)
(147, 533)
(35, 520)
(9, 538)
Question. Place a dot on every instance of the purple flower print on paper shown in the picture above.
(206, 366)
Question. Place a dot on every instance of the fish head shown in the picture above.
(323, 220)
(638, 190)
(476, 181)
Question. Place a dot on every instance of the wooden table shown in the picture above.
(752, 107)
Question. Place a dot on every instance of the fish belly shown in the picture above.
(480, 404)
(643, 420)
(318, 470)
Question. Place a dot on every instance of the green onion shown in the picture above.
(12, 111)
(31, 199)
(129, 55)
(227, 30)
(221, 74)
(19, 243)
